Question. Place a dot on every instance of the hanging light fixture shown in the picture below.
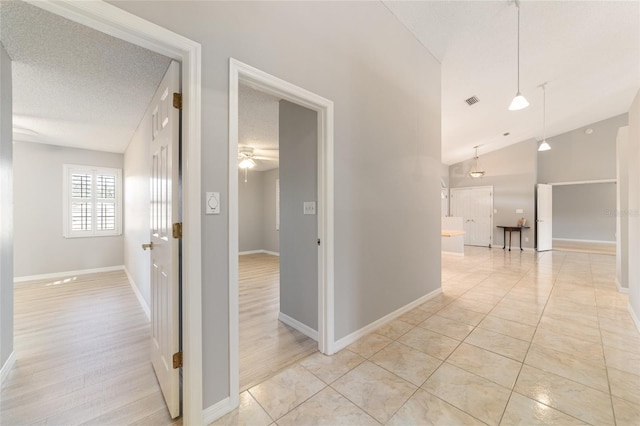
(544, 146)
(245, 155)
(519, 102)
(476, 171)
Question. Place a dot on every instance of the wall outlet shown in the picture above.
(495, 211)
(309, 207)
(526, 239)
(519, 211)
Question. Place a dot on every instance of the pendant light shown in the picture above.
(476, 171)
(519, 102)
(544, 146)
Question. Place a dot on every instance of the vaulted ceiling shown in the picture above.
(588, 52)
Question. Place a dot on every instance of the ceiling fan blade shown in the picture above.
(264, 158)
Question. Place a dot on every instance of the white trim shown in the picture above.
(583, 182)
(634, 317)
(134, 287)
(53, 275)
(349, 339)
(217, 410)
(453, 253)
(302, 328)
(6, 368)
(240, 72)
(624, 290)
(272, 253)
(116, 22)
(570, 240)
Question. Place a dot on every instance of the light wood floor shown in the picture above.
(585, 247)
(82, 348)
(266, 345)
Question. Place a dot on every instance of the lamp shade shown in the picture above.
(518, 103)
(544, 146)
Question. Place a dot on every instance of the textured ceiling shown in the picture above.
(74, 86)
(587, 51)
(258, 115)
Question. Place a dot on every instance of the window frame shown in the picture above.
(68, 200)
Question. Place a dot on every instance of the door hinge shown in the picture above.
(177, 360)
(177, 230)
(177, 100)
(318, 241)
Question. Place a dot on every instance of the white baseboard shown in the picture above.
(302, 328)
(6, 368)
(67, 273)
(134, 287)
(217, 410)
(452, 253)
(273, 253)
(634, 317)
(570, 240)
(349, 339)
(621, 289)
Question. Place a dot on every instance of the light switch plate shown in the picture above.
(309, 207)
(518, 211)
(212, 204)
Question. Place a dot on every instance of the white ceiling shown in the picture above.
(74, 86)
(587, 51)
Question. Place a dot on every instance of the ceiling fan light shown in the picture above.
(544, 146)
(518, 103)
(247, 163)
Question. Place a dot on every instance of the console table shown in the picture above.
(511, 229)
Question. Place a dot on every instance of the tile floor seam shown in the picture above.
(258, 402)
(354, 403)
(512, 390)
(448, 403)
(604, 355)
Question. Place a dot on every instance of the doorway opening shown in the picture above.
(120, 24)
(316, 212)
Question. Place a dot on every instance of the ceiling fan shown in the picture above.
(248, 155)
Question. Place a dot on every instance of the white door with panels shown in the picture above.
(164, 245)
(475, 207)
(544, 223)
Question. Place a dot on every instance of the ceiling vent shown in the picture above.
(472, 100)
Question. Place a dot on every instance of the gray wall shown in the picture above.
(257, 211)
(633, 253)
(585, 212)
(576, 156)
(270, 236)
(386, 90)
(298, 232)
(512, 173)
(6, 209)
(622, 248)
(250, 211)
(39, 245)
(137, 198)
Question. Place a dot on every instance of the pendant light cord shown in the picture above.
(544, 112)
(518, 6)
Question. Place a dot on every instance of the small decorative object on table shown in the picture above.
(522, 221)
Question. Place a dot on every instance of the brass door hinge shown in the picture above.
(177, 360)
(177, 230)
(177, 100)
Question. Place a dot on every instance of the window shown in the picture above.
(92, 204)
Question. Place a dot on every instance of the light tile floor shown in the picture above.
(514, 338)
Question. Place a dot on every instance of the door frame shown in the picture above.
(118, 23)
(489, 187)
(240, 72)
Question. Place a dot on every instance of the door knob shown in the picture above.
(148, 246)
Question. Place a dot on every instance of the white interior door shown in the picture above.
(544, 223)
(475, 207)
(165, 286)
